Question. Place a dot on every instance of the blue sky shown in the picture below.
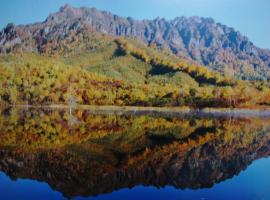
(250, 17)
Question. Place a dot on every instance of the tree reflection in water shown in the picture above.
(101, 153)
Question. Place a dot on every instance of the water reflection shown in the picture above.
(101, 153)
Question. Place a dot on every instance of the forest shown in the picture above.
(123, 72)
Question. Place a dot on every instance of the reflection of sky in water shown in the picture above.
(253, 184)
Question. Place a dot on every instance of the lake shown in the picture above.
(84, 154)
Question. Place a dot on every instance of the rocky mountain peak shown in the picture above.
(65, 8)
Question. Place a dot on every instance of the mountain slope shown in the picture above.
(196, 39)
(86, 67)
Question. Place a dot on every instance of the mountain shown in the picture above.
(70, 59)
(196, 39)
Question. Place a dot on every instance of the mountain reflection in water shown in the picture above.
(102, 153)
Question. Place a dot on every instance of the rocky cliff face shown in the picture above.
(199, 39)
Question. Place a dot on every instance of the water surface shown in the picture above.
(58, 154)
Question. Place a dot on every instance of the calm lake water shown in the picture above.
(58, 154)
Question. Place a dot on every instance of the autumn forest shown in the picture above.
(106, 70)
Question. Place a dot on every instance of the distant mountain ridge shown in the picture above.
(196, 39)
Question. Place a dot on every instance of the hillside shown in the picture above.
(202, 40)
(120, 72)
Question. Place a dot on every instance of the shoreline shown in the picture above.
(265, 112)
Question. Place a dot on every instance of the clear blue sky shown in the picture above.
(250, 17)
